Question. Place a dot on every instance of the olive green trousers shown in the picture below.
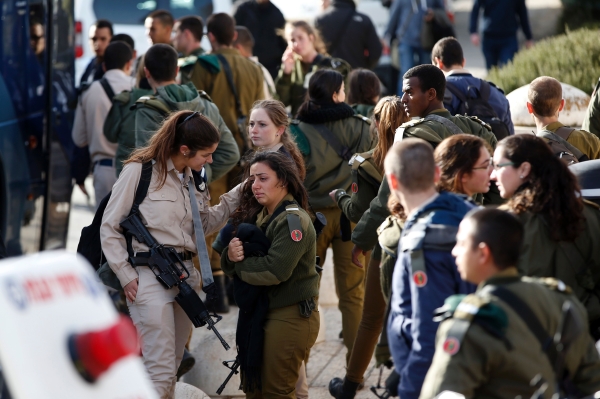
(288, 340)
(349, 278)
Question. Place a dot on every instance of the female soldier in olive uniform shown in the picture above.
(304, 55)
(561, 229)
(185, 142)
(367, 173)
(328, 133)
(288, 269)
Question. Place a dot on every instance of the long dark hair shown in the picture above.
(456, 156)
(198, 133)
(323, 84)
(287, 173)
(550, 188)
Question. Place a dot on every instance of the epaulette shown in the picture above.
(204, 95)
(464, 310)
(294, 223)
(187, 61)
(295, 122)
(366, 169)
(152, 102)
(411, 123)
(362, 118)
(551, 283)
(476, 119)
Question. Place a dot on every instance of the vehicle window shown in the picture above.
(134, 12)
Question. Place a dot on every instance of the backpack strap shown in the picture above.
(140, 194)
(142, 188)
(564, 132)
(454, 129)
(484, 90)
(107, 89)
(547, 134)
(204, 95)
(331, 139)
(455, 91)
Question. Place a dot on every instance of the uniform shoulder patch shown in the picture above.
(204, 95)
(362, 118)
(482, 123)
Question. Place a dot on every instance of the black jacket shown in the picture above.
(351, 33)
(263, 21)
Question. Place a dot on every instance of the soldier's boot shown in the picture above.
(221, 305)
(343, 389)
(187, 363)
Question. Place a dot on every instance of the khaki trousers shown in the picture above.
(370, 326)
(162, 326)
(349, 279)
(288, 340)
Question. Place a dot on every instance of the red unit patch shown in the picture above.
(420, 279)
(296, 235)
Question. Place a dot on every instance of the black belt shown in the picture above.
(104, 162)
(140, 257)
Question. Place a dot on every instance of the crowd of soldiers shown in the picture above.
(464, 255)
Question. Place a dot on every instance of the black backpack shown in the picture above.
(89, 245)
(560, 147)
(475, 103)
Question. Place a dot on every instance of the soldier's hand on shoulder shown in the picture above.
(236, 250)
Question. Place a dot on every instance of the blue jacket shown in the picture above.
(501, 19)
(416, 294)
(497, 100)
(406, 19)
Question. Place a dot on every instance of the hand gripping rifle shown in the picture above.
(170, 271)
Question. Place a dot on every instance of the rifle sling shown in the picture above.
(331, 139)
(229, 76)
(530, 319)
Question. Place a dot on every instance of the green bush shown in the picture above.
(572, 58)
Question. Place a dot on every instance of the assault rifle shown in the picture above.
(167, 266)
(234, 370)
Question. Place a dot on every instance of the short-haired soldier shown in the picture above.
(490, 343)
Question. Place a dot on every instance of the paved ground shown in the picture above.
(327, 357)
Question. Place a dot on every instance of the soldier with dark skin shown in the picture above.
(485, 347)
(423, 89)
